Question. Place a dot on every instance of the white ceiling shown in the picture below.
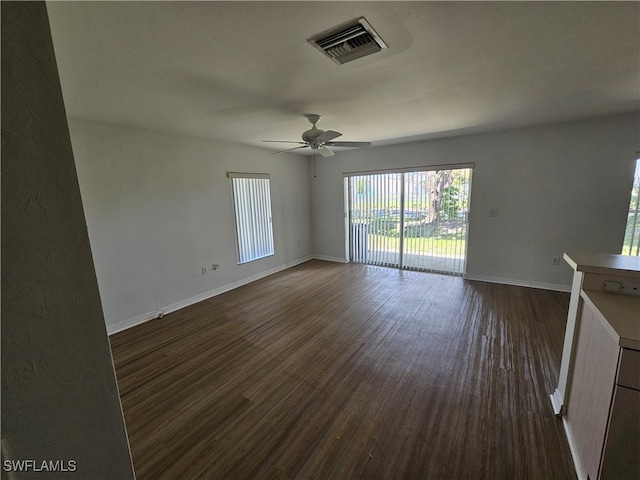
(243, 71)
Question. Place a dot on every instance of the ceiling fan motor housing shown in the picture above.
(314, 132)
(311, 135)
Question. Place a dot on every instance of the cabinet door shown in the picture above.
(622, 451)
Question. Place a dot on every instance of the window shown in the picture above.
(631, 245)
(252, 206)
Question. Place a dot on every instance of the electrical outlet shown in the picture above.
(493, 212)
(555, 260)
(612, 286)
(215, 266)
(627, 288)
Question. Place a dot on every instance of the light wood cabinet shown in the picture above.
(622, 448)
(598, 392)
(602, 412)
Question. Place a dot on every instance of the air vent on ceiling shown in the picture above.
(349, 42)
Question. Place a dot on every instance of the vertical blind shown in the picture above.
(414, 219)
(373, 200)
(252, 207)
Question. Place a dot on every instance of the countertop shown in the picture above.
(621, 315)
(606, 263)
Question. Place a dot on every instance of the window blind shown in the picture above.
(415, 219)
(631, 245)
(252, 208)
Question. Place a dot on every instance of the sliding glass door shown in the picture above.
(411, 219)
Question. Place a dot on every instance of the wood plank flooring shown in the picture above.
(333, 371)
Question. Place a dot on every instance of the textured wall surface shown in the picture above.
(60, 402)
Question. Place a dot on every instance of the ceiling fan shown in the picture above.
(319, 140)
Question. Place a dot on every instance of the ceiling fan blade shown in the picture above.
(325, 152)
(327, 136)
(283, 141)
(349, 144)
(289, 149)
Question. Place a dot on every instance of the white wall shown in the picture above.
(159, 208)
(557, 187)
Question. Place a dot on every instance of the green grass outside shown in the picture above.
(437, 245)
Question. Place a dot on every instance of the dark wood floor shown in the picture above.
(332, 371)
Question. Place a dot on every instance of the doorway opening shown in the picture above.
(415, 220)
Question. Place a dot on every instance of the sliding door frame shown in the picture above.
(349, 204)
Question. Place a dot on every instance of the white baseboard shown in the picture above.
(559, 408)
(132, 322)
(574, 453)
(331, 259)
(519, 283)
(145, 317)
